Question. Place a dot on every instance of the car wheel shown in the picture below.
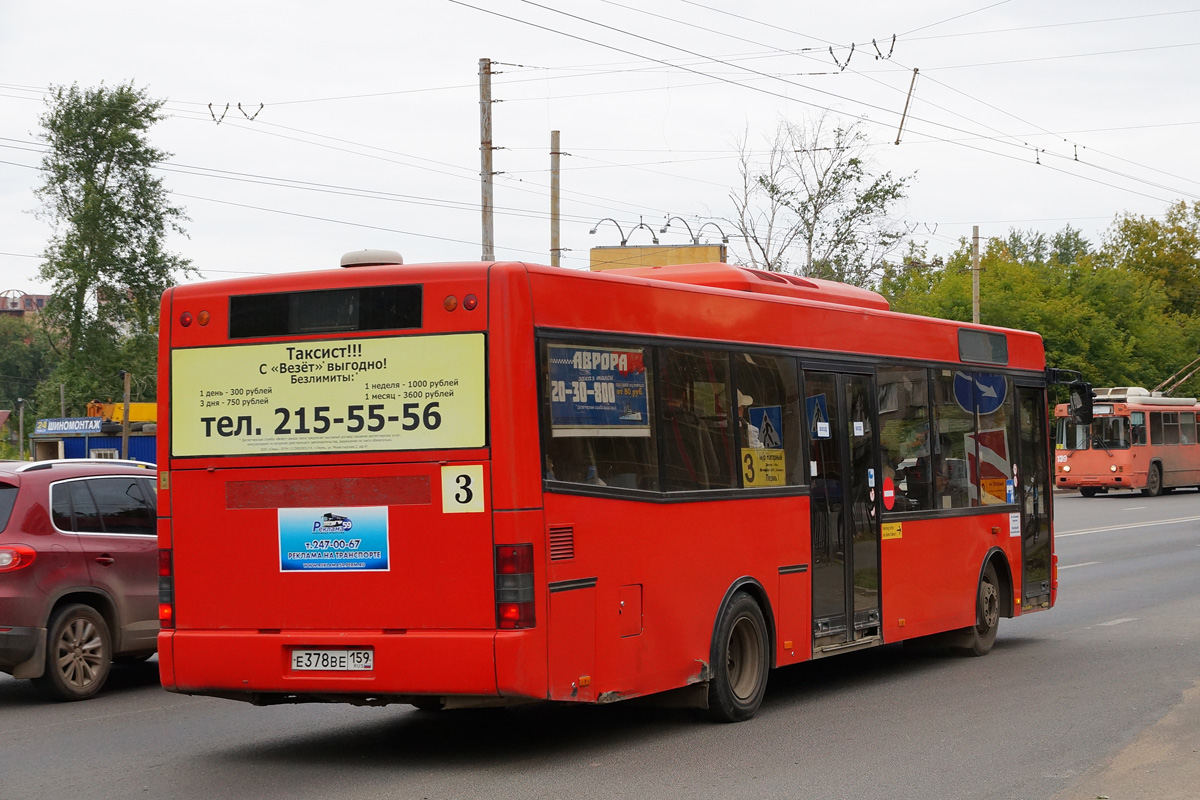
(740, 661)
(78, 654)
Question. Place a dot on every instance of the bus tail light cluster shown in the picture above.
(16, 556)
(514, 586)
(166, 591)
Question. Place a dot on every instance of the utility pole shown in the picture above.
(555, 249)
(485, 156)
(62, 399)
(975, 274)
(125, 418)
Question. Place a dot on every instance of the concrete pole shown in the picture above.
(125, 420)
(975, 274)
(555, 248)
(485, 156)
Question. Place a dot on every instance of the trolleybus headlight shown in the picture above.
(1066, 467)
(450, 303)
(185, 319)
(202, 318)
(470, 301)
(1113, 468)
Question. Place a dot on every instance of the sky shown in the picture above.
(359, 122)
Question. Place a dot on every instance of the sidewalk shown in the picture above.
(1162, 763)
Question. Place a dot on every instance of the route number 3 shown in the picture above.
(462, 489)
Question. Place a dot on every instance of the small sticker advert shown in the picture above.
(1014, 525)
(333, 539)
(892, 530)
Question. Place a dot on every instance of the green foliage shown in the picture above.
(1122, 315)
(26, 360)
(106, 260)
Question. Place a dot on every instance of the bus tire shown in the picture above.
(740, 661)
(78, 654)
(982, 635)
(1088, 491)
(1153, 481)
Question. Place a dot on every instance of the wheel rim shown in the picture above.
(80, 653)
(1155, 480)
(744, 659)
(989, 607)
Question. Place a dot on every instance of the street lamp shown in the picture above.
(614, 222)
(724, 238)
(695, 239)
(653, 238)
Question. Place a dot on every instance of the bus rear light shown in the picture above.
(203, 317)
(450, 303)
(16, 556)
(514, 586)
(470, 302)
(166, 591)
(185, 319)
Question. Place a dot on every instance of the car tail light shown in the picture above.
(514, 586)
(166, 591)
(16, 556)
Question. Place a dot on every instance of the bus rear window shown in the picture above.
(367, 308)
(982, 347)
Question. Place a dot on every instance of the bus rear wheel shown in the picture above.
(740, 661)
(1153, 481)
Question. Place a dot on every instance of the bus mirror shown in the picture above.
(1081, 402)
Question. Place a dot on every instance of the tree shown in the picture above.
(106, 260)
(26, 360)
(816, 193)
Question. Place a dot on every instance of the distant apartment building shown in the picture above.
(19, 303)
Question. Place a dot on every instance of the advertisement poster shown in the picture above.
(763, 462)
(331, 396)
(333, 539)
(598, 391)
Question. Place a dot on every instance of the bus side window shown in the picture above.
(1137, 426)
(600, 415)
(696, 425)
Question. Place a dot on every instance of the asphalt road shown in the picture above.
(1063, 703)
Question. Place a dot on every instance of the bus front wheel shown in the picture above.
(1088, 491)
(740, 661)
(1153, 481)
(987, 614)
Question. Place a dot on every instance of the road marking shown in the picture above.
(1127, 527)
(1118, 621)
(1084, 564)
(1135, 508)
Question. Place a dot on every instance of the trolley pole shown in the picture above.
(555, 248)
(485, 156)
(975, 274)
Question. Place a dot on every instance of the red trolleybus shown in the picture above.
(1136, 440)
(465, 484)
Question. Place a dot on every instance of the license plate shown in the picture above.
(357, 659)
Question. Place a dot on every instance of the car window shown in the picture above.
(8, 497)
(87, 518)
(122, 506)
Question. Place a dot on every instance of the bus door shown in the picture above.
(1034, 487)
(843, 453)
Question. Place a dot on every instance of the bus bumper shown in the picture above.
(257, 666)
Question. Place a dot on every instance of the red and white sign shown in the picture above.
(889, 493)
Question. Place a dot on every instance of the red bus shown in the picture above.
(490, 483)
(1137, 440)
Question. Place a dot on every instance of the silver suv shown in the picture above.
(78, 571)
